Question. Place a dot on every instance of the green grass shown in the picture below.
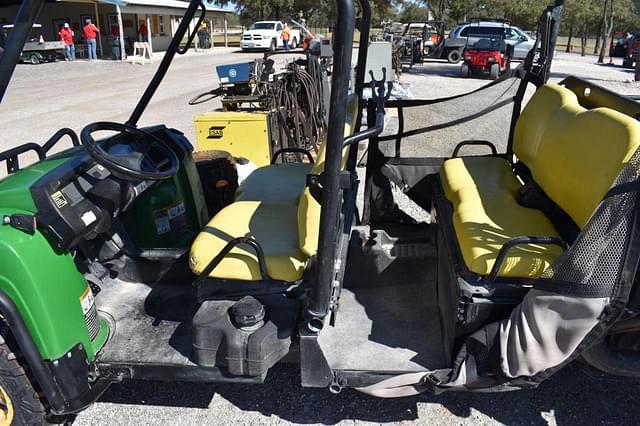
(562, 44)
(233, 39)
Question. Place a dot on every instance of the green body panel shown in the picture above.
(15, 190)
(148, 224)
(46, 288)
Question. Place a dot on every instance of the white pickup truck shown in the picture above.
(267, 35)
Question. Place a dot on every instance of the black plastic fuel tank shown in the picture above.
(246, 337)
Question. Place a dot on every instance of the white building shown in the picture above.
(161, 17)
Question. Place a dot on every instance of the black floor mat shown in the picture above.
(153, 323)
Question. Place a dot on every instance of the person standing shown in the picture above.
(143, 32)
(285, 35)
(66, 36)
(90, 34)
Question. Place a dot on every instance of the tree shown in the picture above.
(317, 12)
(607, 27)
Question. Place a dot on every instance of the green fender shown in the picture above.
(46, 288)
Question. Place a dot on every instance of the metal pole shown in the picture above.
(326, 271)
(363, 46)
(95, 6)
(211, 32)
(226, 36)
(25, 18)
(149, 35)
(120, 33)
(164, 65)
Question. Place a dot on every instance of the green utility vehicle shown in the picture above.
(497, 268)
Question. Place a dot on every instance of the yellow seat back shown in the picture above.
(548, 101)
(574, 154)
(308, 207)
(582, 156)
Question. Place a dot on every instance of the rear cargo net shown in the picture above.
(433, 128)
(422, 133)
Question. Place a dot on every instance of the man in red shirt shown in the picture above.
(66, 36)
(91, 32)
(143, 32)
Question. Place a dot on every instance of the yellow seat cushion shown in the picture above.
(486, 215)
(275, 184)
(484, 223)
(469, 172)
(272, 225)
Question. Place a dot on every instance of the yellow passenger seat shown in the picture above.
(274, 207)
(574, 155)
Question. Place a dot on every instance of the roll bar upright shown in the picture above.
(27, 14)
(318, 307)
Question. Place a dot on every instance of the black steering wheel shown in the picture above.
(131, 154)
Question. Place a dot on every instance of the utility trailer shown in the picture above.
(35, 50)
(520, 257)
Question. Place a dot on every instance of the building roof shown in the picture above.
(175, 4)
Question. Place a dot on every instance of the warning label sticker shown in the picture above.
(59, 199)
(171, 220)
(87, 302)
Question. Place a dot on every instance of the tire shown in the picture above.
(494, 72)
(273, 46)
(23, 401)
(294, 43)
(627, 63)
(33, 59)
(465, 70)
(454, 56)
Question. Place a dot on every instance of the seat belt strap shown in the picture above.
(410, 384)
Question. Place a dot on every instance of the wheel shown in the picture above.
(34, 59)
(273, 46)
(465, 70)
(454, 56)
(19, 402)
(627, 63)
(294, 43)
(494, 72)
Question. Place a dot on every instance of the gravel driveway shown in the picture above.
(43, 98)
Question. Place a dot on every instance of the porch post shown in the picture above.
(211, 32)
(120, 33)
(95, 6)
(226, 37)
(149, 34)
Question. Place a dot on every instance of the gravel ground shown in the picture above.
(43, 98)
